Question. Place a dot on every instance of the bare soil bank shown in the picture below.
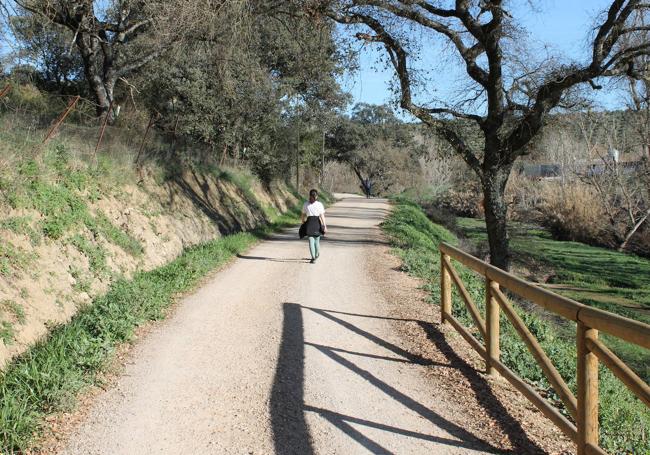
(44, 281)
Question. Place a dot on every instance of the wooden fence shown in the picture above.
(583, 408)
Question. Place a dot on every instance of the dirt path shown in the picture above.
(276, 355)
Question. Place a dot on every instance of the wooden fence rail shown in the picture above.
(583, 407)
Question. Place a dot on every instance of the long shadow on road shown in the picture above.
(290, 431)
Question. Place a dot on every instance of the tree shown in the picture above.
(509, 98)
(374, 143)
(118, 37)
(623, 189)
(50, 52)
(247, 91)
(639, 88)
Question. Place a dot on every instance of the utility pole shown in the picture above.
(298, 159)
(322, 161)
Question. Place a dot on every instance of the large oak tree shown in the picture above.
(510, 97)
(116, 38)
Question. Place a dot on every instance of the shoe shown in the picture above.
(312, 261)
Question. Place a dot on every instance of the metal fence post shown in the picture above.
(5, 90)
(103, 128)
(61, 118)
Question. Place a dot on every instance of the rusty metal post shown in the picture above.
(492, 327)
(445, 289)
(587, 421)
(174, 134)
(152, 119)
(5, 90)
(61, 118)
(103, 129)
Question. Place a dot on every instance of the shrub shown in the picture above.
(574, 212)
(464, 200)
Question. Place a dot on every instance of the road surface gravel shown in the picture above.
(276, 355)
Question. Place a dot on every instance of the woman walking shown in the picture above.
(313, 215)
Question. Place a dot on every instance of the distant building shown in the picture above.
(626, 163)
(613, 155)
(541, 171)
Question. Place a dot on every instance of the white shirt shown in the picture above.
(315, 209)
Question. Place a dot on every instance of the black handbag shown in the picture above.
(302, 231)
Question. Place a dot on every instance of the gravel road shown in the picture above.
(276, 355)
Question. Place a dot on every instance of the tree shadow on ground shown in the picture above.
(265, 258)
(287, 407)
(510, 426)
(202, 200)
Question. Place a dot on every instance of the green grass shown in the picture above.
(58, 191)
(82, 282)
(14, 308)
(602, 278)
(95, 253)
(624, 420)
(102, 225)
(21, 225)
(13, 258)
(7, 333)
(627, 276)
(48, 377)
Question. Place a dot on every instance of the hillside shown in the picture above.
(70, 225)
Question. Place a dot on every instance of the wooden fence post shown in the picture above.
(492, 327)
(445, 289)
(587, 390)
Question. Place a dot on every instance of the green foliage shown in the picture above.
(60, 205)
(82, 283)
(61, 199)
(624, 420)
(7, 333)
(103, 226)
(243, 182)
(15, 309)
(21, 225)
(95, 253)
(410, 228)
(377, 146)
(13, 258)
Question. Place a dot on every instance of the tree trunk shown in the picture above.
(496, 211)
(100, 85)
(633, 230)
(364, 181)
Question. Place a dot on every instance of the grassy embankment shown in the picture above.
(625, 421)
(47, 378)
(606, 279)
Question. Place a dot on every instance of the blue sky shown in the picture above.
(562, 26)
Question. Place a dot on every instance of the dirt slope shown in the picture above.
(46, 281)
(275, 355)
